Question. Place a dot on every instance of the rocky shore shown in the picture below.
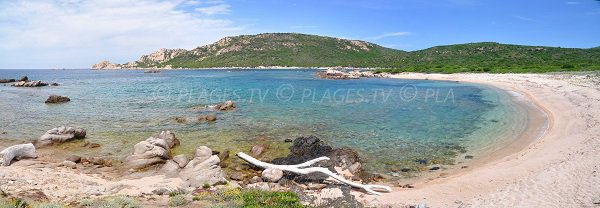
(152, 173)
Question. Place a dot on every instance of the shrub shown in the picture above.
(177, 200)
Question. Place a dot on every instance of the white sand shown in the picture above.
(561, 169)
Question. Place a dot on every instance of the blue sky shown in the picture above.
(78, 33)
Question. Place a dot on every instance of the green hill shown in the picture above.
(281, 49)
(301, 50)
(495, 57)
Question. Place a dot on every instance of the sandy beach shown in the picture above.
(560, 169)
(557, 169)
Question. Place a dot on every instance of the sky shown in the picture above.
(79, 33)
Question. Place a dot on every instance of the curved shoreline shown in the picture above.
(529, 176)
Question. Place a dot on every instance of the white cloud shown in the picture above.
(77, 33)
(572, 2)
(213, 10)
(387, 35)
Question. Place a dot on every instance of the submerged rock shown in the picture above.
(60, 135)
(57, 99)
(20, 151)
(202, 169)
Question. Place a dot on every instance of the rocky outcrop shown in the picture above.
(20, 151)
(60, 135)
(311, 147)
(106, 65)
(202, 169)
(30, 84)
(57, 99)
(161, 56)
(7, 80)
(149, 152)
(339, 74)
(152, 151)
(23, 79)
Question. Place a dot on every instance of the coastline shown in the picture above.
(531, 175)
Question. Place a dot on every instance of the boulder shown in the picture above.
(149, 152)
(57, 99)
(271, 174)
(225, 106)
(60, 135)
(208, 117)
(6, 80)
(181, 160)
(30, 84)
(18, 152)
(202, 169)
(23, 79)
(54, 84)
(170, 168)
(170, 138)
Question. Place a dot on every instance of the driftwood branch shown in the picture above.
(304, 169)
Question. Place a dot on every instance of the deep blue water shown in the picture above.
(391, 122)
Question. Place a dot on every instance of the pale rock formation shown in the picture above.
(20, 151)
(149, 152)
(106, 65)
(60, 135)
(30, 84)
(272, 174)
(203, 169)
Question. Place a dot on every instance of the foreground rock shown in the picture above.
(30, 84)
(150, 152)
(57, 99)
(202, 169)
(60, 135)
(18, 152)
(311, 147)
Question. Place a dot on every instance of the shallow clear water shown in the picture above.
(391, 122)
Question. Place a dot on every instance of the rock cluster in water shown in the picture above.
(57, 99)
(338, 74)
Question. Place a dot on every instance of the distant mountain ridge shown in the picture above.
(302, 50)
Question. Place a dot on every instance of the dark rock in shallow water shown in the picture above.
(57, 99)
(468, 157)
(311, 147)
(54, 84)
(288, 140)
(6, 80)
(23, 79)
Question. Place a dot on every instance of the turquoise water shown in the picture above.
(392, 123)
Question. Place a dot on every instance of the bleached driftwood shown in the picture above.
(304, 169)
(19, 151)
